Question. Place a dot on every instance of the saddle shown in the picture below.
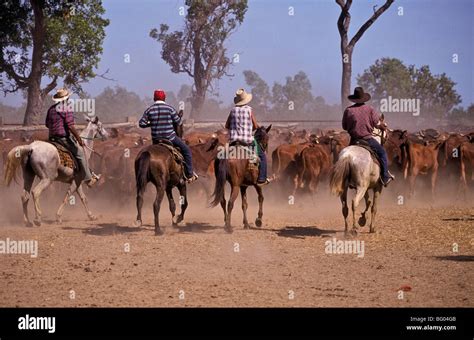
(249, 153)
(65, 156)
(363, 144)
(176, 152)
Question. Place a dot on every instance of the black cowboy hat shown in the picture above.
(359, 96)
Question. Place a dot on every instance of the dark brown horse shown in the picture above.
(240, 174)
(156, 164)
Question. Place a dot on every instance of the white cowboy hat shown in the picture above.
(242, 97)
(60, 95)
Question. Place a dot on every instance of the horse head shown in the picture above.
(262, 137)
(94, 128)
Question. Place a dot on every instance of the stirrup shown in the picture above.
(191, 179)
(264, 182)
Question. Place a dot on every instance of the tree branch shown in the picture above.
(22, 82)
(49, 87)
(369, 23)
(104, 77)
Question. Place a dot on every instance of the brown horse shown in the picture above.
(157, 164)
(240, 174)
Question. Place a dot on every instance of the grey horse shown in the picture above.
(356, 169)
(42, 159)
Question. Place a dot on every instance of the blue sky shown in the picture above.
(276, 45)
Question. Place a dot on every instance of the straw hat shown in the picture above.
(242, 97)
(60, 95)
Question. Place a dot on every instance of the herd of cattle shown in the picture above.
(300, 159)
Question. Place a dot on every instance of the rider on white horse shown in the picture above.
(60, 122)
(359, 121)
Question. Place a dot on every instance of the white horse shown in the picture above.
(356, 169)
(42, 159)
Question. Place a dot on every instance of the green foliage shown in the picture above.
(198, 49)
(115, 104)
(294, 96)
(73, 38)
(390, 77)
(293, 100)
(259, 90)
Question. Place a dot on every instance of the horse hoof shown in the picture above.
(247, 226)
(137, 223)
(37, 223)
(258, 222)
(354, 232)
(372, 230)
(159, 232)
(92, 218)
(229, 230)
(29, 224)
(179, 219)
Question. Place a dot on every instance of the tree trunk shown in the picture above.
(35, 102)
(197, 104)
(346, 77)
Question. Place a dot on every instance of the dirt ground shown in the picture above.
(109, 262)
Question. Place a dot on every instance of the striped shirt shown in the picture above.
(160, 118)
(59, 121)
(240, 124)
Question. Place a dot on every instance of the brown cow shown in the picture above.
(467, 162)
(313, 164)
(395, 148)
(421, 159)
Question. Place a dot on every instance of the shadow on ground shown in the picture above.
(196, 227)
(105, 229)
(301, 232)
(456, 258)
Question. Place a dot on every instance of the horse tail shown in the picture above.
(339, 176)
(142, 166)
(220, 170)
(15, 158)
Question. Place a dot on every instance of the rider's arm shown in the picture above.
(375, 120)
(175, 117)
(344, 120)
(69, 121)
(144, 121)
(227, 123)
(76, 135)
(254, 121)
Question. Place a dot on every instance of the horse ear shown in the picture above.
(382, 117)
(87, 118)
(269, 128)
(96, 120)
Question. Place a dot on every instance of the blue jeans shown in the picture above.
(262, 171)
(380, 151)
(187, 155)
